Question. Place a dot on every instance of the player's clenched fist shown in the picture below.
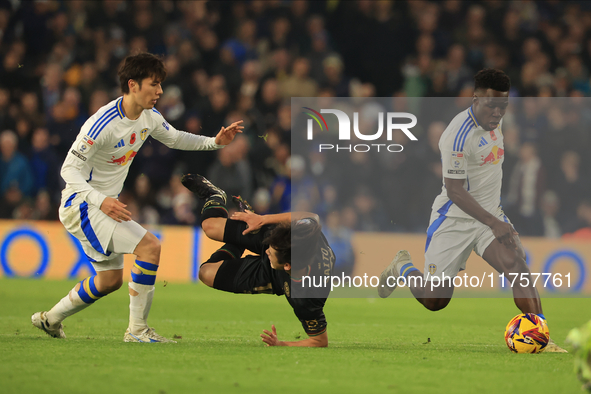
(115, 209)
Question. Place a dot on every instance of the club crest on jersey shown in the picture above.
(132, 139)
(286, 289)
(123, 160)
(165, 125)
(144, 134)
(494, 157)
(457, 160)
(432, 269)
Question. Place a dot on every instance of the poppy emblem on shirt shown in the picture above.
(132, 139)
(144, 134)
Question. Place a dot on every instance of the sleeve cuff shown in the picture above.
(95, 198)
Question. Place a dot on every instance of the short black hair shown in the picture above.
(491, 78)
(280, 239)
(138, 67)
(303, 234)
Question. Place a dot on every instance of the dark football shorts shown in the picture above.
(249, 274)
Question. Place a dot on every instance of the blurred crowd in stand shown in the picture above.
(230, 60)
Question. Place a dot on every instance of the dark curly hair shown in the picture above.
(490, 78)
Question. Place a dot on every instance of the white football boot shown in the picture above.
(552, 347)
(40, 321)
(146, 336)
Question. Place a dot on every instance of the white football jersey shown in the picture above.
(98, 161)
(471, 153)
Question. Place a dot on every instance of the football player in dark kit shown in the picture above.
(288, 246)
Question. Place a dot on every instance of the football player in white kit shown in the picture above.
(467, 215)
(94, 170)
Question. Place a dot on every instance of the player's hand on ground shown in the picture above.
(270, 338)
(115, 209)
(227, 134)
(505, 233)
(252, 220)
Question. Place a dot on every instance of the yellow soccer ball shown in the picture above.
(527, 333)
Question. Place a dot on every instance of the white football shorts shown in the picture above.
(450, 241)
(103, 239)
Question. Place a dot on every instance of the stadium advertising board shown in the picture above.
(45, 250)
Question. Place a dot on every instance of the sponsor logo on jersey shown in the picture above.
(120, 144)
(483, 142)
(494, 157)
(144, 134)
(123, 160)
(457, 160)
(88, 140)
(132, 139)
(165, 125)
(78, 155)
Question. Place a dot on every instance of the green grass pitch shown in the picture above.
(375, 346)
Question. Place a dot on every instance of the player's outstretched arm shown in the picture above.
(177, 139)
(270, 338)
(502, 231)
(227, 134)
(255, 221)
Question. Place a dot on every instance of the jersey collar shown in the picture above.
(471, 113)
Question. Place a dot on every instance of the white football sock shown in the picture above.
(67, 306)
(139, 307)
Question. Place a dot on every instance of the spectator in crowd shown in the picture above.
(45, 165)
(342, 246)
(571, 189)
(526, 187)
(16, 177)
(550, 207)
(231, 171)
